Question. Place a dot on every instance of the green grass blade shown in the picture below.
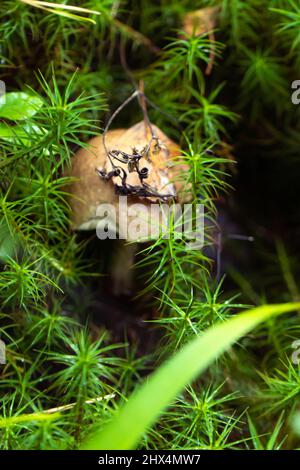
(60, 9)
(146, 404)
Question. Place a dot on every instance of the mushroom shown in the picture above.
(99, 173)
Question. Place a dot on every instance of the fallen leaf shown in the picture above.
(158, 160)
(200, 21)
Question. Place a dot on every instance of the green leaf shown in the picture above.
(8, 242)
(19, 105)
(11, 132)
(146, 404)
(22, 133)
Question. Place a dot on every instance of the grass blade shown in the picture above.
(146, 404)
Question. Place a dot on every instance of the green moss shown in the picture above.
(49, 277)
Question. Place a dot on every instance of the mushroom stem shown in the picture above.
(121, 266)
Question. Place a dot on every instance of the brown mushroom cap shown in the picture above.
(89, 190)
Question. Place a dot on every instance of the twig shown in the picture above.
(212, 54)
(71, 405)
(112, 117)
(136, 35)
